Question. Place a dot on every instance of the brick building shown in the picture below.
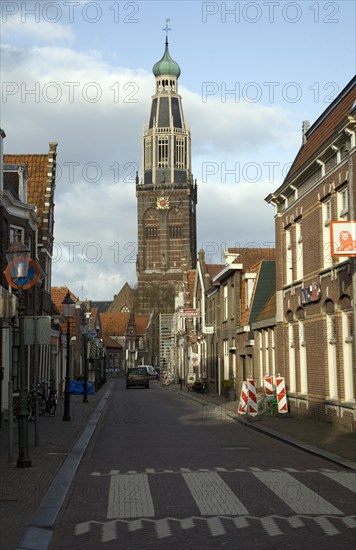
(27, 210)
(166, 197)
(315, 290)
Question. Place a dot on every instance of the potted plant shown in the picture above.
(229, 389)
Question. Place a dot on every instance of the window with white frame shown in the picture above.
(299, 250)
(148, 153)
(303, 367)
(332, 357)
(261, 362)
(180, 152)
(343, 203)
(163, 152)
(266, 346)
(226, 304)
(226, 359)
(249, 282)
(347, 339)
(273, 363)
(233, 355)
(16, 230)
(291, 350)
(289, 256)
(326, 219)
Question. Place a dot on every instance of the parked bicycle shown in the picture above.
(30, 411)
(47, 404)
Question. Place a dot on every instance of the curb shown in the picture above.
(345, 462)
(38, 534)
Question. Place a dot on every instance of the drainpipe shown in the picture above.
(352, 259)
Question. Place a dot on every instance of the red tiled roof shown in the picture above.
(269, 309)
(114, 324)
(110, 343)
(249, 257)
(57, 296)
(323, 129)
(37, 177)
(141, 324)
(214, 269)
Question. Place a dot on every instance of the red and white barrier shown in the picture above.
(268, 385)
(243, 399)
(281, 395)
(252, 397)
(165, 381)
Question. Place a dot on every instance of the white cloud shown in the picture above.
(36, 28)
(99, 150)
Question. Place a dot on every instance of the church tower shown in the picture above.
(166, 196)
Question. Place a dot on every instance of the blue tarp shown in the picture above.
(77, 388)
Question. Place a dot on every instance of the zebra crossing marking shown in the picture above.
(295, 494)
(212, 495)
(271, 526)
(130, 493)
(327, 526)
(129, 496)
(110, 529)
(346, 479)
(216, 468)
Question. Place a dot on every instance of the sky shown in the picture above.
(80, 73)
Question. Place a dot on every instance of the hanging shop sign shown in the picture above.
(343, 238)
(311, 293)
(189, 312)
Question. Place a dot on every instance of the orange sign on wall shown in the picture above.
(343, 238)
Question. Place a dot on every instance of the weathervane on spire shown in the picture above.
(166, 28)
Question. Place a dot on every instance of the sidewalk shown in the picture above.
(313, 436)
(22, 490)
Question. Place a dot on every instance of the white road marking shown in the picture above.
(296, 495)
(130, 497)
(347, 479)
(212, 495)
(163, 527)
(271, 526)
(327, 526)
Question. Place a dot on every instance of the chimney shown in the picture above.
(202, 256)
(305, 128)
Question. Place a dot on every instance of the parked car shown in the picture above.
(151, 371)
(137, 376)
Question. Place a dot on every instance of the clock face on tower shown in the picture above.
(162, 203)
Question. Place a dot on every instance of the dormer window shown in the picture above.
(248, 291)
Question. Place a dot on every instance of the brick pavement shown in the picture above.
(22, 490)
(310, 434)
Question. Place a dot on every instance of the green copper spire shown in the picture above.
(166, 66)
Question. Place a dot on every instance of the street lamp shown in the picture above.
(68, 310)
(18, 258)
